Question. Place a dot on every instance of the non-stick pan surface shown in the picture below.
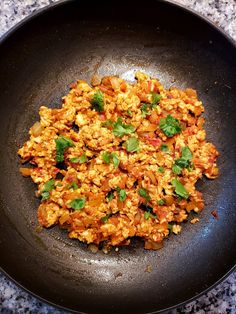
(39, 60)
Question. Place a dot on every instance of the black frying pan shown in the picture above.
(75, 39)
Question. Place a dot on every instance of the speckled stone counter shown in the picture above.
(221, 299)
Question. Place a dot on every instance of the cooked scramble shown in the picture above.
(120, 160)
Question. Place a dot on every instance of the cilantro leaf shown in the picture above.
(120, 129)
(48, 186)
(115, 160)
(107, 123)
(180, 189)
(170, 227)
(170, 126)
(155, 99)
(176, 169)
(78, 203)
(164, 148)
(106, 156)
(144, 194)
(121, 194)
(105, 218)
(62, 143)
(82, 159)
(183, 162)
(129, 112)
(97, 101)
(110, 196)
(161, 170)
(132, 145)
(149, 213)
(161, 202)
(186, 153)
(74, 160)
(145, 109)
(74, 186)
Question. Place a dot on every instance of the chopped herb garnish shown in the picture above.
(176, 169)
(170, 227)
(62, 143)
(186, 153)
(183, 162)
(155, 99)
(170, 126)
(78, 203)
(161, 169)
(129, 112)
(48, 186)
(161, 202)
(74, 186)
(120, 129)
(74, 160)
(82, 159)
(149, 213)
(145, 108)
(106, 156)
(164, 148)
(144, 194)
(105, 218)
(97, 101)
(132, 144)
(110, 196)
(180, 189)
(108, 123)
(121, 194)
(115, 160)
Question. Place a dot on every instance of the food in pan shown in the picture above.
(120, 160)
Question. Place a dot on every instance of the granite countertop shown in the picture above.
(221, 299)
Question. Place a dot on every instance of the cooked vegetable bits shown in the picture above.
(120, 160)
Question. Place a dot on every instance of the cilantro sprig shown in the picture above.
(144, 194)
(48, 186)
(78, 203)
(82, 159)
(184, 161)
(62, 143)
(97, 101)
(107, 157)
(132, 145)
(180, 189)
(170, 126)
(120, 129)
(121, 194)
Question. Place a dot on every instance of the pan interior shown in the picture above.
(38, 62)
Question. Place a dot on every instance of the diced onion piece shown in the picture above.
(96, 80)
(26, 172)
(64, 218)
(191, 92)
(93, 248)
(36, 129)
(152, 177)
(150, 245)
(115, 83)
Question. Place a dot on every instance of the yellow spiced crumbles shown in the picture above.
(120, 160)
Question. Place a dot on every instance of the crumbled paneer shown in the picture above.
(119, 160)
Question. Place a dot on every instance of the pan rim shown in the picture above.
(230, 271)
(59, 3)
(173, 3)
